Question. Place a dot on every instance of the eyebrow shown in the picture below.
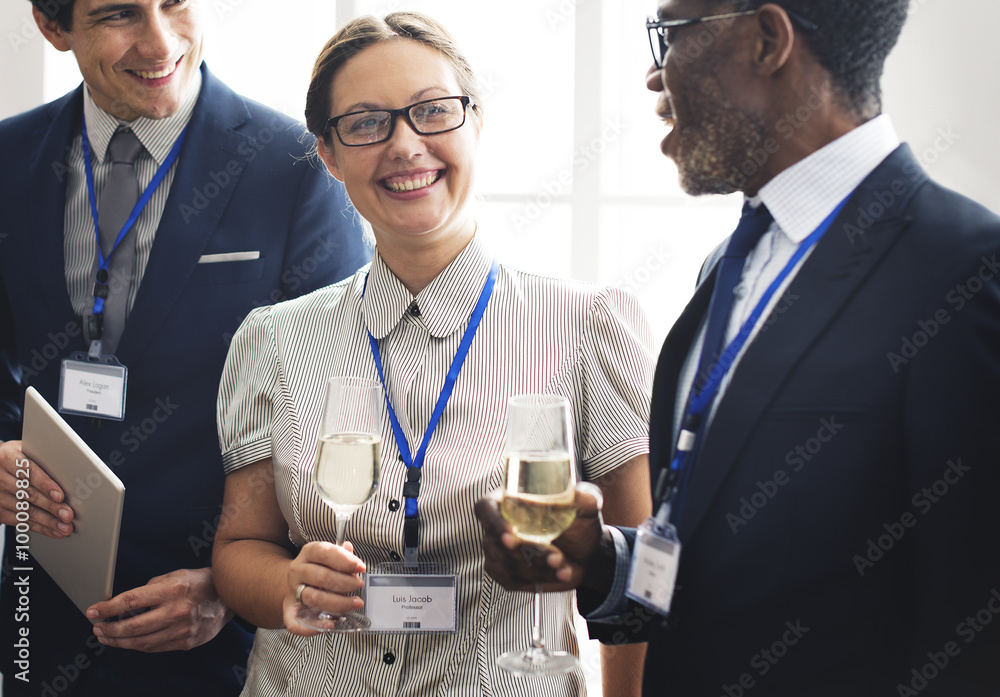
(415, 97)
(111, 9)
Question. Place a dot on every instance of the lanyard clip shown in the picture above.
(411, 487)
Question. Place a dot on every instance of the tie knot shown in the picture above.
(753, 224)
(124, 147)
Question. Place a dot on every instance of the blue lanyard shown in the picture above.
(411, 488)
(699, 400)
(100, 288)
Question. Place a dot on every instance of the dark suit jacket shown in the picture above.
(241, 185)
(840, 527)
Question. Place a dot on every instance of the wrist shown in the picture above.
(599, 574)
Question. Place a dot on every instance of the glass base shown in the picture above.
(325, 622)
(538, 662)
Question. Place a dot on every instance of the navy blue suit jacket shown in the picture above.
(241, 185)
(840, 526)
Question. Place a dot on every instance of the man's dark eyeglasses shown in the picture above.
(428, 117)
(657, 29)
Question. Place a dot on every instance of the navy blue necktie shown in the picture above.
(753, 224)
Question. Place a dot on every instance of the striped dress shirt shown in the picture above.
(79, 238)
(589, 344)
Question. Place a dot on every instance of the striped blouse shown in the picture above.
(589, 344)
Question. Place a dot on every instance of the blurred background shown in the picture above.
(582, 191)
(571, 180)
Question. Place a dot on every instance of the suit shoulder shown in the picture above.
(946, 222)
(25, 128)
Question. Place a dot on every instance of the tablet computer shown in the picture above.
(83, 564)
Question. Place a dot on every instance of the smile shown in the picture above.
(411, 182)
(157, 74)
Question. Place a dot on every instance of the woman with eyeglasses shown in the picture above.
(394, 108)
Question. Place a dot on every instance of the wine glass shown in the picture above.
(538, 502)
(346, 471)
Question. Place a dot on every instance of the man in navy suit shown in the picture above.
(241, 219)
(835, 496)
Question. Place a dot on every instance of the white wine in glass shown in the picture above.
(346, 471)
(538, 502)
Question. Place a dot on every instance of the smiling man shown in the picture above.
(792, 465)
(146, 213)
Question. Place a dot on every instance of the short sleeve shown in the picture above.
(612, 384)
(245, 410)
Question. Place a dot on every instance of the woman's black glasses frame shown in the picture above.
(393, 114)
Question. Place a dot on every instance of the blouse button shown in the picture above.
(389, 658)
(394, 505)
(394, 556)
(414, 310)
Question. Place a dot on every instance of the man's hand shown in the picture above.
(577, 557)
(174, 612)
(22, 482)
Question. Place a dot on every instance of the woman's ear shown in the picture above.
(329, 159)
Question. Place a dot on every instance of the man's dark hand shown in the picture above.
(577, 557)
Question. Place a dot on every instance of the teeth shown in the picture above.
(146, 75)
(412, 184)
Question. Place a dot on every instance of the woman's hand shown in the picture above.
(330, 574)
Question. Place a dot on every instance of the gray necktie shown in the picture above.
(121, 191)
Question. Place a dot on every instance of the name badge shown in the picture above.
(412, 603)
(93, 386)
(655, 560)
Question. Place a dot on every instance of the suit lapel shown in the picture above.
(842, 260)
(48, 174)
(192, 212)
(672, 355)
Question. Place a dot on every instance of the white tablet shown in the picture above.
(83, 564)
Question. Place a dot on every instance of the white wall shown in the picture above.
(20, 58)
(942, 78)
(941, 88)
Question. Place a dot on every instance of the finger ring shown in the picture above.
(298, 592)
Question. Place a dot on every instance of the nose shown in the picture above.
(405, 143)
(158, 40)
(654, 79)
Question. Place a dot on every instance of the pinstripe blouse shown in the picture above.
(589, 344)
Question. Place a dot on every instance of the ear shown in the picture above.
(55, 34)
(776, 38)
(329, 159)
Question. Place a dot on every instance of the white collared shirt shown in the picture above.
(79, 239)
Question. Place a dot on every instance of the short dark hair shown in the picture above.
(852, 42)
(59, 10)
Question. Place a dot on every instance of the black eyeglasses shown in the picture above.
(657, 29)
(427, 118)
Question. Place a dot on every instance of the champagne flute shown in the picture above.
(538, 502)
(346, 471)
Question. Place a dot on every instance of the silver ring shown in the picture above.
(298, 592)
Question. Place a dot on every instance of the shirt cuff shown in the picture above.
(616, 603)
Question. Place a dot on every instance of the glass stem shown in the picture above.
(537, 642)
(340, 526)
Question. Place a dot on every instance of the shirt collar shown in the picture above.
(801, 197)
(156, 135)
(445, 304)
